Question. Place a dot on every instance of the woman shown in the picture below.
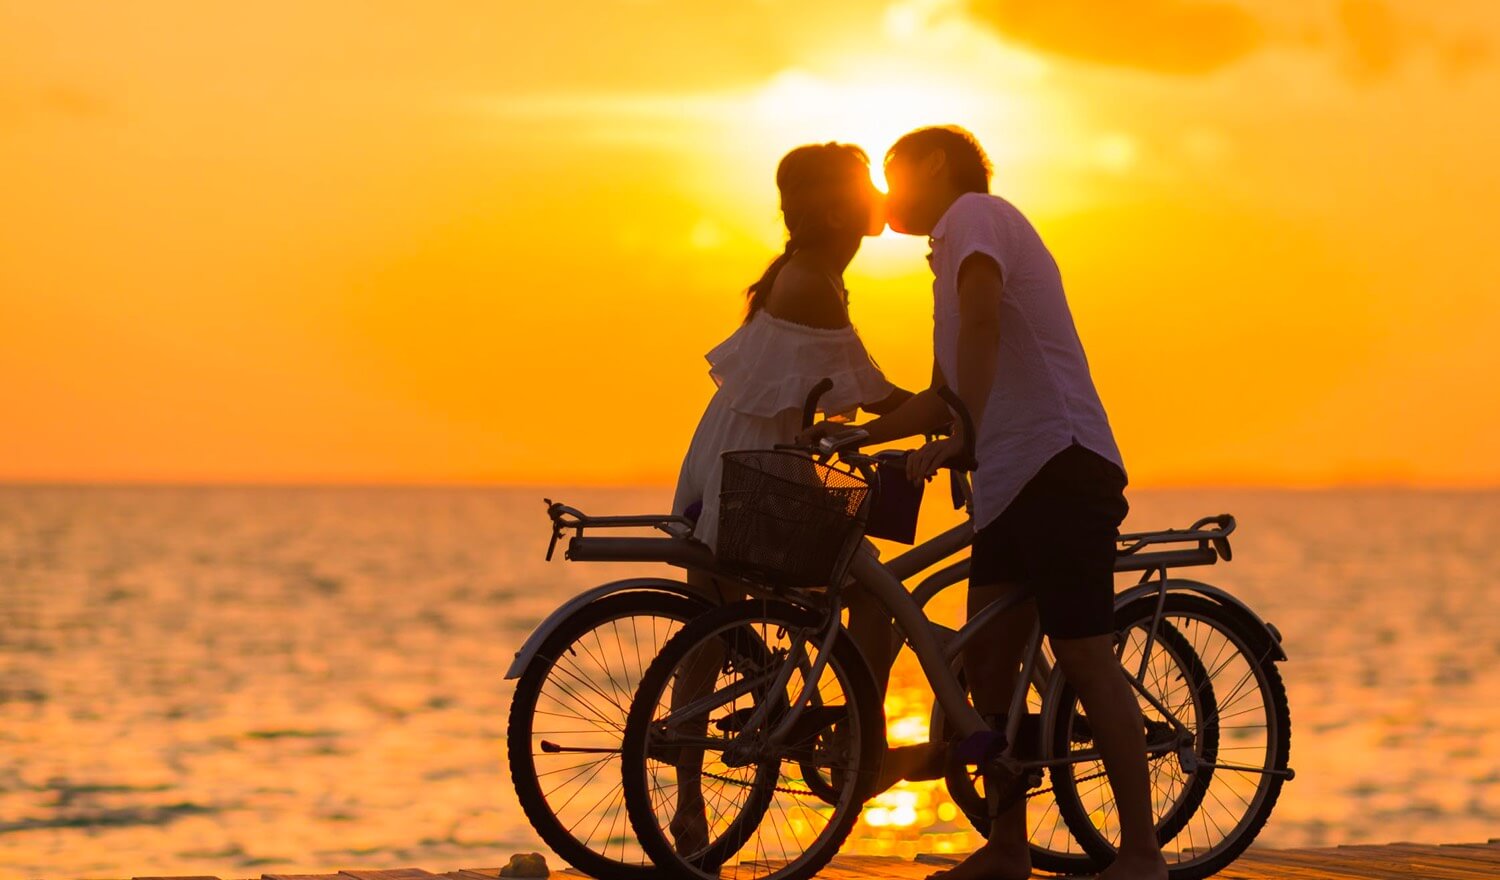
(796, 332)
(796, 329)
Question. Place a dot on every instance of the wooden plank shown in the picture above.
(1462, 861)
(1486, 853)
(1429, 861)
(942, 860)
(1295, 865)
(890, 867)
(392, 874)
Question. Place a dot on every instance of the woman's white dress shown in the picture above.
(764, 371)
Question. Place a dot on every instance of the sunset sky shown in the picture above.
(491, 241)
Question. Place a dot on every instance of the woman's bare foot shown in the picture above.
(993, 861)
(1136, 866)
(689, 827)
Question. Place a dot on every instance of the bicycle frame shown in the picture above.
(884, 583)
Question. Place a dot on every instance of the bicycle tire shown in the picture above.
(867, 712)
(1244, 638)
(583, 854)
(971, 803)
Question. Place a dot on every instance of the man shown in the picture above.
(1048, 485)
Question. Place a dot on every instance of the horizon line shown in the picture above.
(153, 483)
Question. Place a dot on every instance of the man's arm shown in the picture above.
(921, 413)
(980, 285)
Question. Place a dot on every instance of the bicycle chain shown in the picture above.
(743, 784)
(1091, 776)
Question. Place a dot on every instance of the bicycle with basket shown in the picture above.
(785, 741)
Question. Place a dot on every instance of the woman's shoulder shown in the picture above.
(807, 296)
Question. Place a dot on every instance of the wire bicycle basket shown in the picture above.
(788, 520)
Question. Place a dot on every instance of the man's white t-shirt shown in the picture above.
(1042, 399)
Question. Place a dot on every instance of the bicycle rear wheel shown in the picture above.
(567, 718)
(1214, 788)
(1053, 848)
(776, 810)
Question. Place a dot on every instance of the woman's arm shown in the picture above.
(920, 413)
(886, 405)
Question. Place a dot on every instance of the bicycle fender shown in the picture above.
(1254, 624)
(533, 642)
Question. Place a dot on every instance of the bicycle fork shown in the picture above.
(742, 750)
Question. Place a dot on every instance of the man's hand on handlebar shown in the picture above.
(925, 462)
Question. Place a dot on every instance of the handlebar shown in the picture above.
(852, 440)
(810, 407)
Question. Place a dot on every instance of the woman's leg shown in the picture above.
(696, 677)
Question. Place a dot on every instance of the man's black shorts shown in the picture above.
(1057, 539)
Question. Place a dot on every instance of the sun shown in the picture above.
(797, 107)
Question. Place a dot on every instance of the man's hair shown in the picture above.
(968, 166)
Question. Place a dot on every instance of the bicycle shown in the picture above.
(568, 710)
(793, 730)
(575, 675)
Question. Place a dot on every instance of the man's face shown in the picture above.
(907, 197)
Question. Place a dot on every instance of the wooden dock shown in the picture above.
(1454, 861)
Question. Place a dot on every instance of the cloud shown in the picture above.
(1379, 41)
(1371, 39)
(1162, 36)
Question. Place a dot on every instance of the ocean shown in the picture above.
(236, 681)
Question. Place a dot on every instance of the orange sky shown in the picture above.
(491, 241)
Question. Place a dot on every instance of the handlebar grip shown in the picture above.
(957, 405)
(810, 408)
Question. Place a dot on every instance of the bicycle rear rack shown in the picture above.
(1212, 544)
(674, 550)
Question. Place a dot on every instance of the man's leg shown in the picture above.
(1090, 666)
(993, 657)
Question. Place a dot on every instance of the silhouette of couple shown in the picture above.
(1049, 480)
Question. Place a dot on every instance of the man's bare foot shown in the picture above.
(1132, 866)
(920, 761)
(993, 861)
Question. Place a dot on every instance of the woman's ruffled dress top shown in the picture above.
(764, 371)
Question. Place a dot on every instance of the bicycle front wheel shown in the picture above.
(712, 787)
